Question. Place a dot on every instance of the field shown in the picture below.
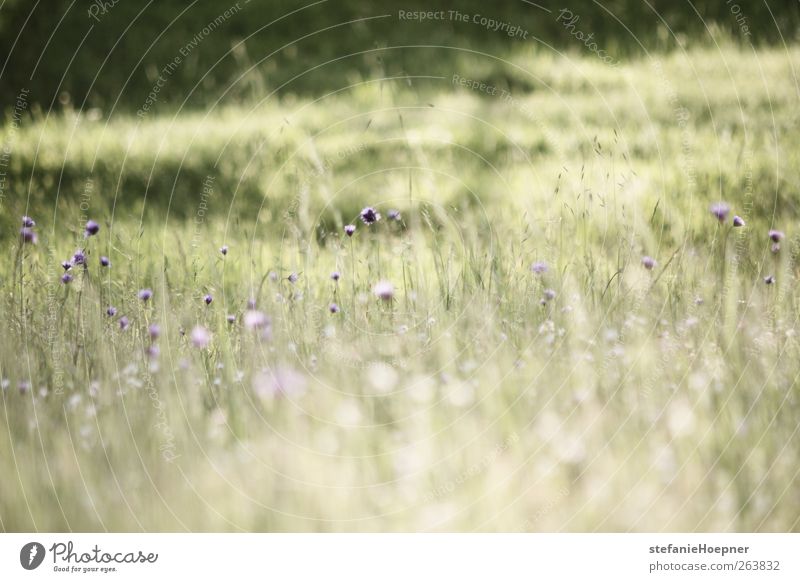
(552, 333)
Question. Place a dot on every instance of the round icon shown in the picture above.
(31, 555)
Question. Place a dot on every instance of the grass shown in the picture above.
(632, 400)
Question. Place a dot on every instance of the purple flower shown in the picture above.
(776, 235)
(539, 267)
(769, 280)
(384, 290)
(105, 262)
(24, 386)
(200, 337)
(208, 299)
(738, 221)
(28, 235)
(79, 258)
(720, 210)
(111, 311)
(66, 278)
(293, 277)
(335, 275)
(231, 319)
(145, 294)
(224, 249)
(251, 303)
(66, 265)
(28, 222)
(333, 308)
(369, 216)
(255, 319)
(92, 228)
(648, 263)
(152, 352)
(549, 294)
(154, 330)
(123, 323)
(350, 229)
(393, 215)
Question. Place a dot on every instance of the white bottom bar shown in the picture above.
(401, 557)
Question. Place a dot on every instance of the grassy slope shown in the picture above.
(625, 403)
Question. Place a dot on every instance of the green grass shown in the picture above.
(634, 400)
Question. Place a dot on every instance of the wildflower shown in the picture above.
(393, 215)
(66, 265)
(333, 308)
(549, 294)
(273, 276)
(540, 267)
(111, 311)
(154, 330)
(293, 278)
(720, 210)
(255, 319)
(648, 263)
(738, 221)
(384, 290)
(776, 235)
(66, 278)
(152, 352)
(104, 262)
(24, 386)
(92, 228)
(145, 294)
(350, 229)
(231, 319)
(775, 247)
(123, 323)
(224, 249)
(28, 235)
(208, 299)
(769, 280)
(335, 275)
(28, 222)
(200, 337)
(369, 216)
(251, 303)
(79, 258)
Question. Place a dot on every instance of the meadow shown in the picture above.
(554, 324)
